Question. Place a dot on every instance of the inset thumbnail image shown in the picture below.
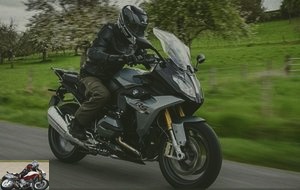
(24, 174)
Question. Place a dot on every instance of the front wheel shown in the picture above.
(7, 184)
(202, 162)
(40, 185)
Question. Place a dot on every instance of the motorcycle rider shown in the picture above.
(114, 46)
(33, 166)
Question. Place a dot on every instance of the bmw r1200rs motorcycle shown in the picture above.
(150, 118)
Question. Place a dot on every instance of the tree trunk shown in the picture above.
(289, 12)
(44, 55)
(76, 50)
(1, 58)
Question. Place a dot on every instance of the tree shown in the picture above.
(67, 23)
(25, 45)
(8, 39)
(290, 8)
(84, 18)
(188, 18)
(251, 10)
(41, 24)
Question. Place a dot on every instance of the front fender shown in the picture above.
(191, 119)
(178, 128)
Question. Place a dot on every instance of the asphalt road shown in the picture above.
(19, 142)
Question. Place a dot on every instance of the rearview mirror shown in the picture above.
(200, 59)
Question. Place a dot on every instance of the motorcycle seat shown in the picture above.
(72, 78)
(61, 72)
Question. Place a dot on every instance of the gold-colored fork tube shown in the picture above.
(180, 111)
(168, 119)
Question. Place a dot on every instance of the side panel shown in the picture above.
(147, 110)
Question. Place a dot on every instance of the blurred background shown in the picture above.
(250, 78)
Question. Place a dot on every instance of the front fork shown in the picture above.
(177, 139)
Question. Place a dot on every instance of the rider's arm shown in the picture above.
(23, 172)
(98, 50)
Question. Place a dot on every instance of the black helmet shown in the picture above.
(133, 22)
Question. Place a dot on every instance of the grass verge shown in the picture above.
(276, 154)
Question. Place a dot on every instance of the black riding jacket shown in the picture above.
(105, 56)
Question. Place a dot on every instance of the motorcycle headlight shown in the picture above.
(186, 87)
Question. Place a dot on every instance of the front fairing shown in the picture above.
(8, 176)
(179, 72)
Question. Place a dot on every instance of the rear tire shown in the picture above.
(40, 185)
(203, 159)
(61, 148)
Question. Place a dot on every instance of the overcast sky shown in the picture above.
(15, 9)
(271, 5)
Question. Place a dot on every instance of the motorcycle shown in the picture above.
(150, 117)
(35, 180)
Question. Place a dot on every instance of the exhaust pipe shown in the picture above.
(56, 120)
(133, 150)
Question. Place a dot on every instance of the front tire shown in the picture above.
(202, 163)
(7, 184)
(61, 148)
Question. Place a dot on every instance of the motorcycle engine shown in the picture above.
(109, 127)
(23, 182)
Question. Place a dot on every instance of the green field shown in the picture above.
(249, 100)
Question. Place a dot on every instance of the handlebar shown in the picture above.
(148, 60)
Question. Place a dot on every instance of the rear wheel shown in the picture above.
(41, 185)
(202, 162)
(60, 147)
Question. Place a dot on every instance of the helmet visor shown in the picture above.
(136, 24)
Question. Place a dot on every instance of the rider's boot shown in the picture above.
(77, 130)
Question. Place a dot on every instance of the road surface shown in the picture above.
(18, 142)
